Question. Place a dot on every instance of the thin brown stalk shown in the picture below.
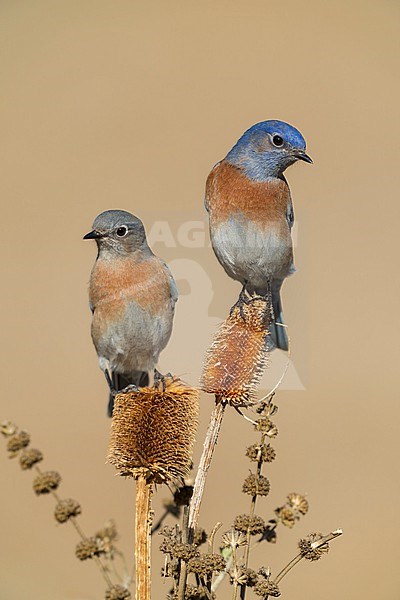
(299, 557)
(235, 567)
(183, 569)
(205, 461)
(142, 538)
(251, 515)
(82, 535)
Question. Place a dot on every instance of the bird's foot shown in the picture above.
(109, 381)
(129, 388)
(241, 301)
(160, 379)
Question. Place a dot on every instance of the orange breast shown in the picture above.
(114, 282)
(228, 191)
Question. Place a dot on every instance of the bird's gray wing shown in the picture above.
(289, 209)
(209, 178)
(172, 285)
(290, 214)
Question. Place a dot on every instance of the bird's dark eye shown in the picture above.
(122, 231)
(277, 140)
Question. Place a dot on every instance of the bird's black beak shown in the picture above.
(92, 235)
(301, 155)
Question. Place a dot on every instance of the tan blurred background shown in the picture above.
(128, 105)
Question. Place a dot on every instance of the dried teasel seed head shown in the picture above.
(206, 564)
(238, 354)
(46, 482)
(265, 588)
(263, 452)
(309, 550)
(153, 431)
(256, 486)
(89, 548)
(118, 592)
(65, 509)
(298, 502)
(8, 428)
(244, 523)
(17, 442)
(30, 457)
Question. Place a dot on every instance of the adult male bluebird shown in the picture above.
(251, 212)
(132, 296)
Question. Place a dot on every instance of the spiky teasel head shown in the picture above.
(153, 431)
(238, 354)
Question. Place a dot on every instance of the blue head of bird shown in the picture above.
(268, 148)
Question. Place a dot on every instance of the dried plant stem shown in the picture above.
(218, 580)
(183, 569)
(251, 515)
(82, 535)
(299, 557)
(235, 565)
(205, 461)
(142, 538)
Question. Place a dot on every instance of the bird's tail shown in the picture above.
(138, 378)
(277, 334)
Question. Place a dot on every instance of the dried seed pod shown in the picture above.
(298, 502)
(244, 576)
(205, 564)
(266, 426)
(88, 548)
(47, 481)
(265, 588)
(30, 457)
(117, 592)
(65, 509)
(244, 523)
(17, 442)
(256, 486)
(287, 516)
(263, 452)
(238, 355)
(8, 428)
(308, 548)
(153, 431)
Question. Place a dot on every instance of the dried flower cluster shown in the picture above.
(47, 482)
(153, 431)
(296, 505)
(65, 509)
(238, 355)
(117, 592)
(310, 549)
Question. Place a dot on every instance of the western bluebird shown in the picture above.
(132, 296)
(251, 212)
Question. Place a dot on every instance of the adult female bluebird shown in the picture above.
(132, 296)
(251, 212)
